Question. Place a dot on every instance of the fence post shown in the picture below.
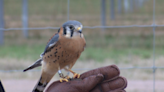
(68, 4)
(112, 13)
(1, 22)
(126, 6)
(131, 5)
(103, 13)
(119, 3)
(25, 17)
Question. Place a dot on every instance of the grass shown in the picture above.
(90, 53)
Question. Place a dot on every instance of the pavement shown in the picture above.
(26, 85)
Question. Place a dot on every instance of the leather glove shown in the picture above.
(104, 79)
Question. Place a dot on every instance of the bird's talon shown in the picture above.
(63, 79)
(76, 75)
(67, 77)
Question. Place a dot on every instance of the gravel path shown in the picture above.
(24, 85)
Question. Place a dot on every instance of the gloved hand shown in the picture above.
(104, 79)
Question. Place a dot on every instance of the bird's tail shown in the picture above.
(43, 81)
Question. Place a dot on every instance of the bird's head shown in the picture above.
(72, 28)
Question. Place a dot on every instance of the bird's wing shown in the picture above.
(36, 64)
(51, 43)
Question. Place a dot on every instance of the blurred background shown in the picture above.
(127, 33)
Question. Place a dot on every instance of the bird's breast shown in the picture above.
(64, 52)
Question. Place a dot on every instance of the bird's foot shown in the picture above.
(63, 79)
(75, 75)
(66, 79)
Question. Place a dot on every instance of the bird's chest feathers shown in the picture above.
(64, 51)
(72, 45)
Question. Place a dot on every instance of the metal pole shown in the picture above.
(1, 22)
(119, 6)
(154, 27)
(112, 13)
(68, 4)
(25, 17)
(131, 5)
(126, 5)
(140, 3)
(103, 12)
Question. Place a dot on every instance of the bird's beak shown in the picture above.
(79, 29)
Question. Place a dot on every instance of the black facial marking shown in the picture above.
(64, 31)
(72, 31)
(51, 55)
(48, 56)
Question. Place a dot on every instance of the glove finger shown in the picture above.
(76, 85)
(89, 83)
(112, 86)
(109, 72)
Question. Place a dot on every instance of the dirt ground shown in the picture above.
(25, 85)
(138, 80)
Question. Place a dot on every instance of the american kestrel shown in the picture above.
(61, 52)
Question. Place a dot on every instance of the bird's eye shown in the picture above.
(71, 27)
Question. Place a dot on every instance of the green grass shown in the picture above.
(90, 53)
(21, 51)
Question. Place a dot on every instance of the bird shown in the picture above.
(61, 52)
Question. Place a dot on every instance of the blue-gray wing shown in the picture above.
(51, 43)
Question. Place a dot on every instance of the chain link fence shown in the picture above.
(68, 11)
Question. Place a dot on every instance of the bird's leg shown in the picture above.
(67, 77)
(75, 75)
(62, 76)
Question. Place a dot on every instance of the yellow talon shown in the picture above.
(63, 79)
(76, 75)
(67, 77)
